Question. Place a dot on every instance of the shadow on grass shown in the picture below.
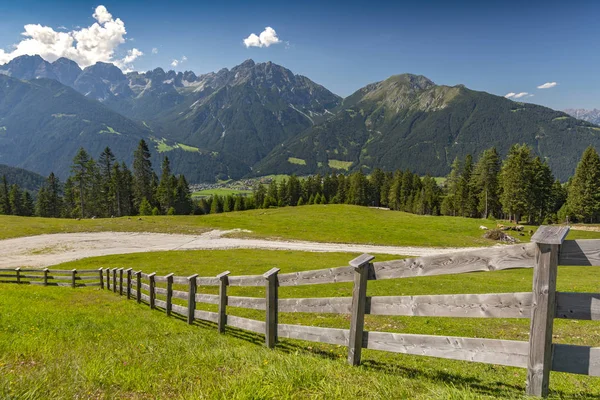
(479, 386)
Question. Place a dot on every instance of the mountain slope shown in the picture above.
(407, 121)
(25, 179)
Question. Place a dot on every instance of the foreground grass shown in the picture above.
(88, 343)
(324, 223)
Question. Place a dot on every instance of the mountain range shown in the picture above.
(592, 116)
(260, 119)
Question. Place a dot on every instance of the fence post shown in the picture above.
(114, 274)
(547, 239)
(169, 293)
(272, 298)
(46, 276)
(73, 277)
(138, 286)
(107, 278)
(361, 265)
(128, 287)
(18, 271)
(152, 285)
(224, 282)
(192, 298)
(101, 272)
(121, 281)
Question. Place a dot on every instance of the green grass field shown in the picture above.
(322, 223)
(220, 192)
(89, 343)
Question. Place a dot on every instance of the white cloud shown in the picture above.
(176, 62)
(265, 39)
(547, 85)
(154, 50)
(85, 46)
(513, 95)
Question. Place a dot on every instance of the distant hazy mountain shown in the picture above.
(256, 119)
(592, 116)
(25, 179)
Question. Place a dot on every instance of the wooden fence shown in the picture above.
(542, 305)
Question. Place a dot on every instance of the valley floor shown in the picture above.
(47, 250)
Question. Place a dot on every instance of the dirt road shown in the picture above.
(47, 250)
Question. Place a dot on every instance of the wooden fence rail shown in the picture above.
(542, 305)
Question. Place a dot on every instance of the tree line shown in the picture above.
(104, 188)
(521, 187)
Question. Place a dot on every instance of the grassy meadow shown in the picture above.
(89, 343)
(322, 223)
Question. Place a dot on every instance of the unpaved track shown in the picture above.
(47, 250)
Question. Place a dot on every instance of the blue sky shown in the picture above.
(497, 46)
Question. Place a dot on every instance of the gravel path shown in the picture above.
(47, 250)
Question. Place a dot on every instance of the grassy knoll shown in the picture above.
(88, 343)
(220, 192)
(324, 223)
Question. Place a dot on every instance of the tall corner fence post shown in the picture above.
(138, 286)
(107, 278)
(192, 280)
(223, 283)
(169, 293)
(128, 287)
(101, 276)
(272, 314)
(152, 286)
(74, 278)
(361, 266)
(548, 240)
(114, 278)
(18, 272)
(46, 277)
(120, 281)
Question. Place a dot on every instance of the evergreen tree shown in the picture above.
(516, 178)
(27, 207)
(82, 177)
(4, 197)
(183, 197)
(216, 205)
(107, 192)
(49, 201)
(541, 187)
(239, 203)
(484, 183)
(358, 193)
(145, 207)
(464, 197)
(259, 193)
(584, 189)
(300, 201)
(376, 184)
(15, 197)
(165, 192)
(294, 190)
(142, 174)
(449, 204)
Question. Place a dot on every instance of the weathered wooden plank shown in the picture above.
(550, 234)
(161, 291)
(160, 303)
(180, 280)
(191, 298)
(88, 284)
(361, 266)
(60, 278)
(179, 294)
(207, 298)
(584, 306)
(181, 310)
(145, 297)
(491, 351)
(35, 276)
(494, 305)
(27, 270)
(580, 252)
(247, 280)
(488, 259)
(160, 279)
(246, 323)
(87, 278)
(542, 318)
(223, 278)
(208, 281)
(272, 313)
(582, 360)
(337, 305)
(314, 334)
(8, 275)
(206, 315)
(144, 275)
(328, 275)
(255, 303)
(145, 287)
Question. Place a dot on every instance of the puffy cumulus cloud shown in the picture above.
(85, 46)
(176, 62)
(265, 39)
(547, 85)
(509, 95)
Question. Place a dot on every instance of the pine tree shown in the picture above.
(216, 205)
(165, 192)
(584, 189)
(81, 178)
(294, 190)
(541, 187)
(145, 207)
(27, 207)
(184, 204)
(484, 183)
(449, 204)
(4, 197)
(142, 174)
(259, 193)
(516, 178)
(107, 192)
(239, 204)
(463, 192)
